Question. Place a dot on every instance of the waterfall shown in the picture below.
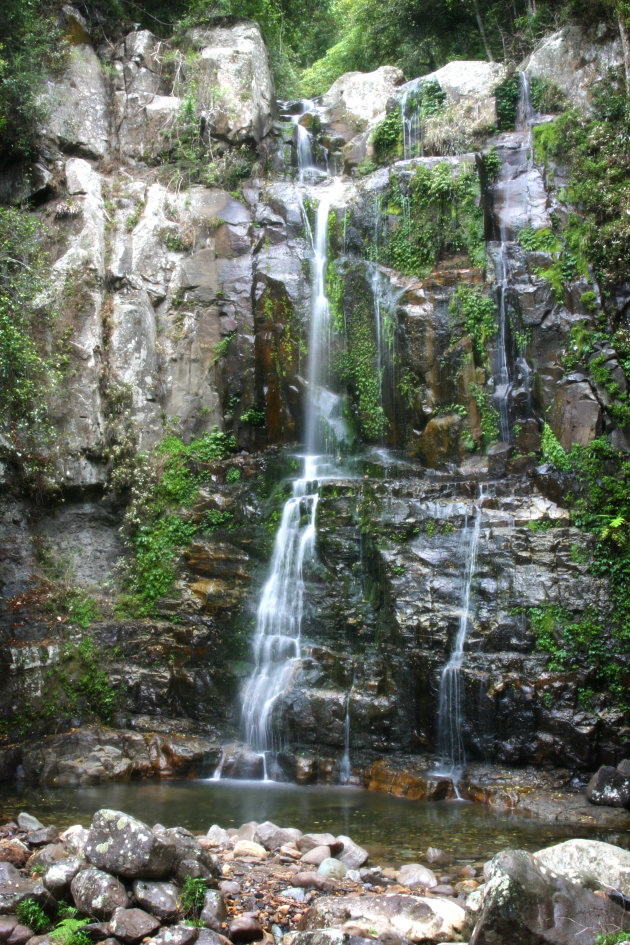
(277, 638)
(450, 742)
(412, 129)
(345, 769)
(501, 369)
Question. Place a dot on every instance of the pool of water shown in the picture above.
(394, 830)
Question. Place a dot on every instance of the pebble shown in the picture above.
(245, 928)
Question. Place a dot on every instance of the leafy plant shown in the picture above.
(477, 313)
(31, 914)
(192, 897)
(70, 932)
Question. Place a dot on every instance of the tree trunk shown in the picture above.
(482, 31)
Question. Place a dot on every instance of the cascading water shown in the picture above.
(413, 132)
(450, 742)
(501, 369)
(345, 769)
(279, 618)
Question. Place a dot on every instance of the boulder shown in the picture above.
(132, 925)
(14, 887)
(591, 863)
(521, 903)
(609, 787)
(217, 836)
(245, 928)
(214, 912)
(175, 935)
(273, 837)
(97, 893)
(316, 856)
(351, 855)
(20, 935)
(332, 869)
(74, 839)
(412, 917)
(413, 874)
(357, 99)
(233, 81)
(15, 852)
(247, 848)
(28, 822)
(59, 876)
(126, 847)
(308, 841)
(160, 899)
(191, 858)
(574, 60)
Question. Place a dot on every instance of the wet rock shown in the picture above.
(160, 899)
(316, 856)
(20, 934)
(191, 858)
(245, 928)
(413, 874)
(311, 880)
(609, 787)
(624, 767)
(14, 852)
(175, 935)
(74, 839)
(28, 822)
(217, 836)
(132, 925)
(127, 847)
(7, 924)
(14, 887)
(42, 837)
(273, 837)
(591, 863)
(59, 876)
(247, 848)
(208, 937)
(413, 917)
(97, 893)
(576, 415)
(438, 857)
(439, 442)
(294, 892)
(97, 931)
(229, 888)
(309, 841)
(332, 869)
(352, 855)
(214, 912)
(520, 903)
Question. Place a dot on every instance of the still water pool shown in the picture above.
(394, 830)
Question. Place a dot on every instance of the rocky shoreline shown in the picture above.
(121, 881)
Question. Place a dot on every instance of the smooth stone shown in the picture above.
(316, 856)
(217, 836)
(28, 822)
(214, 912)
(591, 863)
(413, 874)
(229, 888)
(175, 935)
(20, 935)
(127, 847)
(159, 899)
(132, 925)
(352, 855)
(98, 894)
(245, 928)
(312, 880)
(417, 918)
(59, 875)
(294, 892)
(332, 869)
(248, 848)
(308, 841)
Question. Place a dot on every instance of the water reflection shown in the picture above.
(394, 830)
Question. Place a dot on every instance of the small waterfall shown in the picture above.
(450, 742)
(526, 114)
(384, 298)
(345, 769)
(277, 638)
(304, 145)
(412, 129)
(501, 370)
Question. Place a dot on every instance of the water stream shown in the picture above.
(450, 741)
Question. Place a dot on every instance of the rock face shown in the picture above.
(575, 61)
(590, 863)
(184, 306)
(520, 902)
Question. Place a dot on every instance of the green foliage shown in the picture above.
(233, 475)
(477, 314)
(543, 240)
(489, 415)
(552, 451)
(192, 897)
(31, 44)
(492, 164)
(546, 97)
(612, 938)
(507, 95)
(70, 932)
(254, 417)
(440, 217)
(31, 914)
(27, 375)
(387, 136)
(165, 484)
